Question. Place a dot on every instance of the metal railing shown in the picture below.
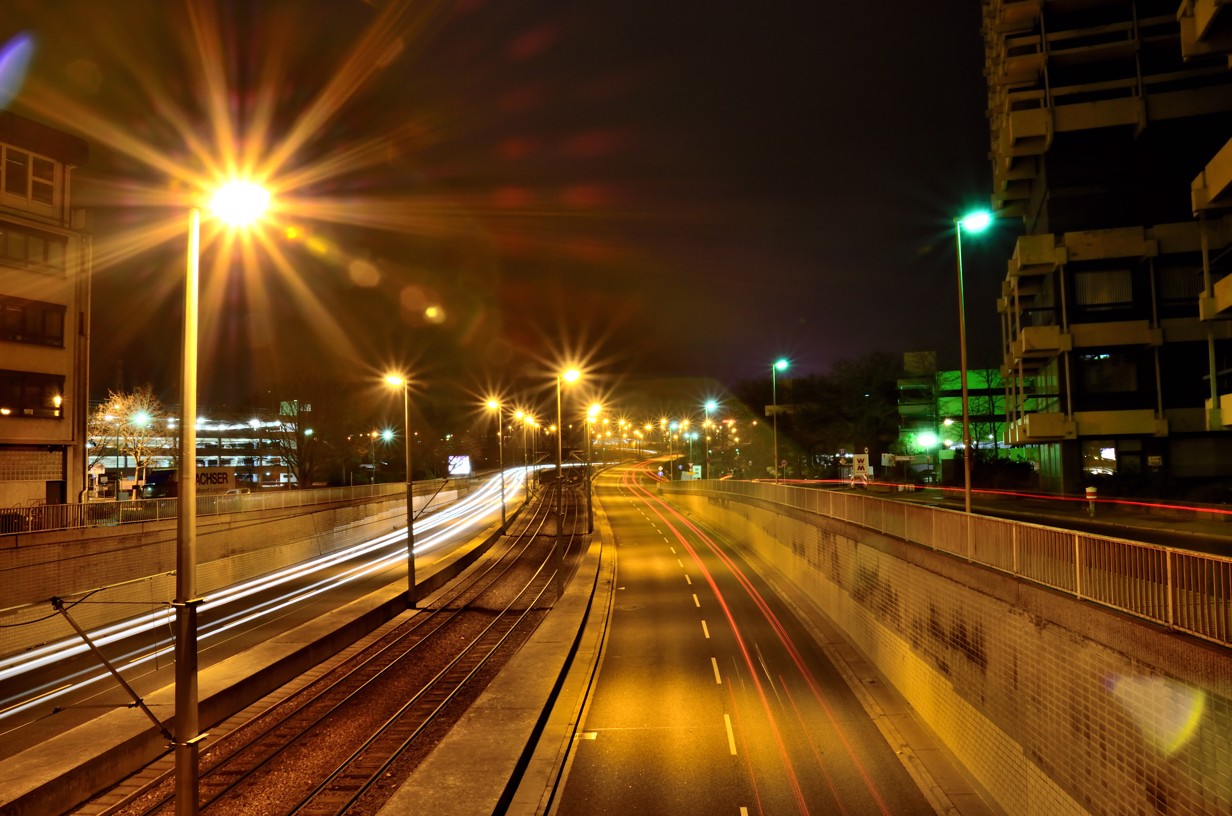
(46, 517)
(1186, 591)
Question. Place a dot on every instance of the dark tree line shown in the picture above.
(852, 407)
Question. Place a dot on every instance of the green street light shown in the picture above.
(710, 407)
(974, 223)
(779, 365)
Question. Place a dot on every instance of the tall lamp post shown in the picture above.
(520, 416)
(398, 381)
(237, 204)
(372, 446)
(591, 413)
(779, 365)
(495, 405)
(571, 375)
(973, 223)
(709, 407)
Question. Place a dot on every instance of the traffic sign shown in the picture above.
(859, 466)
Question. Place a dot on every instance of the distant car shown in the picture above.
(237, 491)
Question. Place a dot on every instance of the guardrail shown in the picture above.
(46, 517)
(1185, 591)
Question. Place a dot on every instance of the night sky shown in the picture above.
(478, 189)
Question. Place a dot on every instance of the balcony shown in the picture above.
(1120, 423)
(1211, 308)
(1041, 427)
(1098, 245)
(1206, 27)
(1039, 343)
(1217, 416)
(1212, 189)
(1117, 333)
(1014, 15)
(1036, 255)
(1028, 129)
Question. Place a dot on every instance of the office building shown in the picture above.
(44, 316)
(1110, 125)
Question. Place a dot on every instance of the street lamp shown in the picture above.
(521, 416)
(236, 204)
(779, 365)
(591, 413)
(974, 223)
(709, 406)
(494, 405)
(398, 381)
(571, 375)
(372, 446)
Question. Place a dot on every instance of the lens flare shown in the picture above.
(1167, 712)
(14, 60)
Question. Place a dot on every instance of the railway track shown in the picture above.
(344, 741)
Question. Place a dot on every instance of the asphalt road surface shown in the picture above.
(712, 698)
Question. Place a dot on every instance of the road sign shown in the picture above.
(859, 466)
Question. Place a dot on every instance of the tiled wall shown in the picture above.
(1056, 707)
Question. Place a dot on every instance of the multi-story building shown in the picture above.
(1110, 124)
(931, 415)
(44, 316)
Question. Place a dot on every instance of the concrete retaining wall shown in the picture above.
(1054, 706)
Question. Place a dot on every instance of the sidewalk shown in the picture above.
(1206, 529)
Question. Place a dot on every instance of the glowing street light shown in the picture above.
(710, 406)
(521, 417)
(494, 405)
(398, 381)
(974, 223)
(591, 413)
(570, 375)
(237, 204)
(372, 435)
(779, 365)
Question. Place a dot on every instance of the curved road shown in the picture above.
(712, 698)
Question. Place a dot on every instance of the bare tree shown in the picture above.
(297, 443)
(128, 424)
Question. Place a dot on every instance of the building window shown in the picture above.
(27, 394)
(31, 321)
(1099, 457)
(1104, 290)
(31, 249)
(1109, 372)
(28, 177)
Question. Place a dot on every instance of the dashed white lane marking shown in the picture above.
(688, 580)
(673, 549)
(731, 736)
(744, 811)
(706, 630)
(718, 678)
(696, 602)
(681, 563)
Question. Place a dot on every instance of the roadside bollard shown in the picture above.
(1091, 491)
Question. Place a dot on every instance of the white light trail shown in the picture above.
(434, 530)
